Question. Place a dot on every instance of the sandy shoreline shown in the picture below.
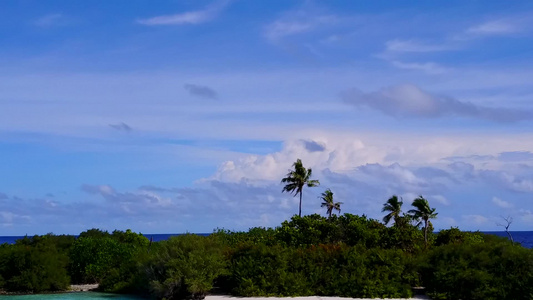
(83, 287)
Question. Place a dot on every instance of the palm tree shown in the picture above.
(327, 197)
(422, 213)
(296, 180)
(394, 208)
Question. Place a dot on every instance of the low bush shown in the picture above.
(479, 271)
(183, 267)
(328, 270)
(33, 266)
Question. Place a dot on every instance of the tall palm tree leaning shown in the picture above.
(327, 197)
(394, 208)
(296, 180)
(422, 213)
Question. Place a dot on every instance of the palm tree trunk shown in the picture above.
(300, 211)
(426, 234)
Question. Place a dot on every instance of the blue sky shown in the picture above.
(185, 115)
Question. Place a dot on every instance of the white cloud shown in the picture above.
(475, 219)
(398, 45)
(428, 67)
(501, 203)
(508, 181)
(298, 22)
(247, 192)
(191, 17)
(498, 27)
(439, 199)
(280, 29)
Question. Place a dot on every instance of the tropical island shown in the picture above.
(337, 255)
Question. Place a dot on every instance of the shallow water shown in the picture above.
(72, 296)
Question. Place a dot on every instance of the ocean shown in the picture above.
(525, 238)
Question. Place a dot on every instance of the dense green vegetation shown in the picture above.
(346, 255)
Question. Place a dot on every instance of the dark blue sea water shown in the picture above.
(525, 238)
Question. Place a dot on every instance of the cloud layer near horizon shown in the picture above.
(361, 174)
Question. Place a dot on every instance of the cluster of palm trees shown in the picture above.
(299, 177)
(422, 213)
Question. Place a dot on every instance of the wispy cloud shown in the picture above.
(411, 101)
(50, 20)
(428, 67)
(499, 27)
(298, 22)
(280, 29)
(191, 17)
(201, 91)
(121, 126)
(475, 219)
(398, 45)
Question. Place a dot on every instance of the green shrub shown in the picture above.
(456, 236)
(328, 270)
(33, 265)
(184, 266)
(479, 271)
(108, 259)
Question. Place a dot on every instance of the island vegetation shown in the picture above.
(339, 255)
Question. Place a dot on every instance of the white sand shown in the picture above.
(83, 287)
(301, 298)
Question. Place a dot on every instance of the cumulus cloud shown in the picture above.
(501, 203)
(246, 192)
(191, 17)
(411, 101)
(508, 181)
(201, 91)
(121, 127)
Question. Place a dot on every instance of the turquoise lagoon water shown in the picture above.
(72, 296)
